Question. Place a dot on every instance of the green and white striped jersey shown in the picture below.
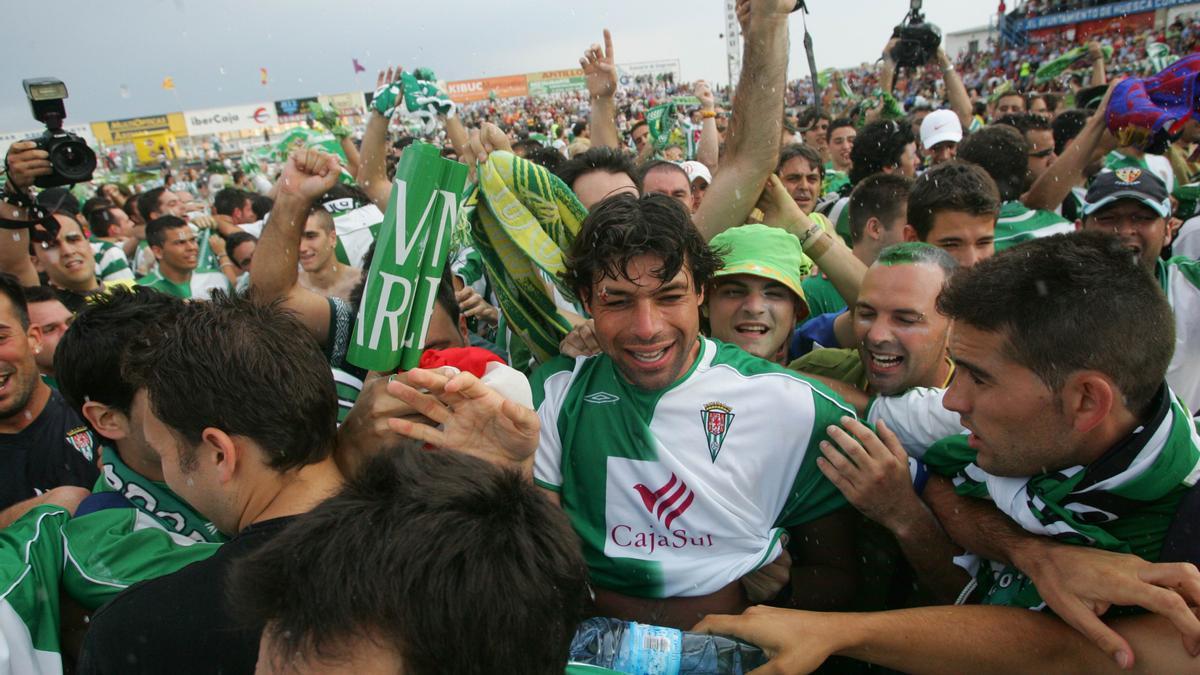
(31, 556)
(1019, 223)
(111, 263)
(1180, 280)
(199, 287)
(681, 491)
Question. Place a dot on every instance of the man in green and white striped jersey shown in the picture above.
(682, 462)
(177, 250)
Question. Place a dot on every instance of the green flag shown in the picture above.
(411, 250)
(661, 120)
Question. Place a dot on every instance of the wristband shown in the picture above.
(707, 114)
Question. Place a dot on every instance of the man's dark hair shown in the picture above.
(661, 165)
(395, 557)
(793, 150)
(229, 200)
(87, 362)
(147, 202)
(1067, 303)
(639, 123)
(598, 159)
(918, 253)
(550, 158)
(878, 196)
(99, 216)
(527, 146)
(39, 294)
(809, 118)
(261, 205)
(1002, 151)
(951, 186)
(403, 142)
(623, 227)
(235, 240)
(11, 288)
(1025, 122)
(58, 200)
(156, 230)
(878, 146)
(579, 128)
(95, 203)
(838, 124)
(1067, 125)
(247, 368)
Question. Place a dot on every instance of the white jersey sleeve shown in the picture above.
(917, 417)
(547, 465)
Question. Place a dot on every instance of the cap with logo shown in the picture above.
(763, 251)
(696, 170)
(1128, 183)
(940, 126)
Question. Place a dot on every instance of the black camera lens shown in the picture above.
(73, 160)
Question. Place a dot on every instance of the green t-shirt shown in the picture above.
(684, 490)
(201, 285)
(821, 296)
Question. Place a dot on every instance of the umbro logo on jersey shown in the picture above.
(717, 418)
(601, 398)
(667, 502)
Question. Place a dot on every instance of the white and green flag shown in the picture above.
(411, 250)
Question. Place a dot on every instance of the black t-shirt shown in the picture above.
(180, 623)
(71, 300)
(56, 449)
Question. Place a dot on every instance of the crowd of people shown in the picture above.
(859, 382)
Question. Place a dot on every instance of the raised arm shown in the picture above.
(308, 174)
(25, 162)
(956, 91)
(1096, 53)
(1053, 186)
(709, 149)
(600, 69)
(372, 166)
(752, 143)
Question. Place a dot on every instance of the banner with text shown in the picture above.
(508, 86)
(249, 117)
(630, 73)
(551, 82)
(410, 253)
(129, 130)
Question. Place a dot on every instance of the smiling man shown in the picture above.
(681, 461)
(322, 273)
(756, 299)
(177, 249)
(902, 337)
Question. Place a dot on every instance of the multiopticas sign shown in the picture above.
(222, 120)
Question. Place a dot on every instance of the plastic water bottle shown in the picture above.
(639, 649)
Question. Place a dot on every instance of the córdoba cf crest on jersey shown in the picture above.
(717, 418)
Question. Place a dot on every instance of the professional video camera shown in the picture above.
(71, 160)
(918, 41)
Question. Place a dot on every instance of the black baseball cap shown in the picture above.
(1127, 183)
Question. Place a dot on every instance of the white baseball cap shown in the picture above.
(940, 126)
(696, 170)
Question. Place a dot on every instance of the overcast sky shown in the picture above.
(113, 54)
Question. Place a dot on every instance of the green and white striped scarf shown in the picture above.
(154, 498)
(1122, 502)
(521, 219)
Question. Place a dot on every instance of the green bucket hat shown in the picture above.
(763, 251)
